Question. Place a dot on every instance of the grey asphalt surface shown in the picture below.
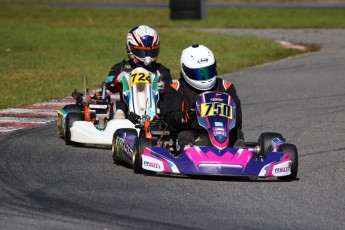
(45, 184)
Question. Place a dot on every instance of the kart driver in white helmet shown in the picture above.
(198, 74)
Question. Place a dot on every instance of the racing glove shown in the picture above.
(240, 143)
(114, 83)
(189, 115)
(160, 83)
(115, 80)
(160, 86)
(77, 96)
(133, 117)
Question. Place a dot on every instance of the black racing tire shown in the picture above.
(116, 154)
(140, 146)
(72, 108)
(265, 141)
(70, 119)
(293, 155)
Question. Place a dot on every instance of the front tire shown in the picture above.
(265, 141)
(70, 119)
(293, 155)
(114, 148)
(140, 146)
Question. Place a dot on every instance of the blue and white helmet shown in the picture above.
(142, 45)
(198, 67)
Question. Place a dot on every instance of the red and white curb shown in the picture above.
(27, 116)
(289, 45)
(32, 115)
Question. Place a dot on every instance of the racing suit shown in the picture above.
(114, 86)
(179, 97)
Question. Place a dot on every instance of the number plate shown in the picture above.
(216, 109)
(139, 77)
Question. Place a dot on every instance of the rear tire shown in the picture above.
(114, 149)
(140, 146)
(265, 141)
(70, 119)
(72, 108)
(293, 155)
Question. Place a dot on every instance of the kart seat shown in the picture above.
(119, 114)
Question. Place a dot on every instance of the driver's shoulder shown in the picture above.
(120, 63)
(175, 85)
(223, 84)
(161, 68)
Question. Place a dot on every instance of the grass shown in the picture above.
(159, 1)
(46, 52)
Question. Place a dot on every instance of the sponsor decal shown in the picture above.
(216, 99)
(152, 164)
(280, 170)
(202, 60)
(146, 48)
(124, 146)
(94, 106)
(219, 131)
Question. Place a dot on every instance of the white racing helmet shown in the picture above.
(198, 67)
(142, 45)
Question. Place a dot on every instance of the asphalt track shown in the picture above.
(45, 184)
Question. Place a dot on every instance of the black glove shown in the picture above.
(77, 96)
(240, 143)
(190, 115)
(133, 117)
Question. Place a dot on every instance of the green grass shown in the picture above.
(46, 52)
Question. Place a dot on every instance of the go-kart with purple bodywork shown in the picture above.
(271, 156)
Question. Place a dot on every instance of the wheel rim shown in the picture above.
(113, 147)
(134, 155)
(64, 131)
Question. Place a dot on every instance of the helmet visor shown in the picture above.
(203, 73)
(143, 51)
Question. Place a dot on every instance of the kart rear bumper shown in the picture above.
(86, 133)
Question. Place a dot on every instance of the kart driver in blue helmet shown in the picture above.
(142, 46)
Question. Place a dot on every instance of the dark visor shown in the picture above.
(143, 52)
(204, 73)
